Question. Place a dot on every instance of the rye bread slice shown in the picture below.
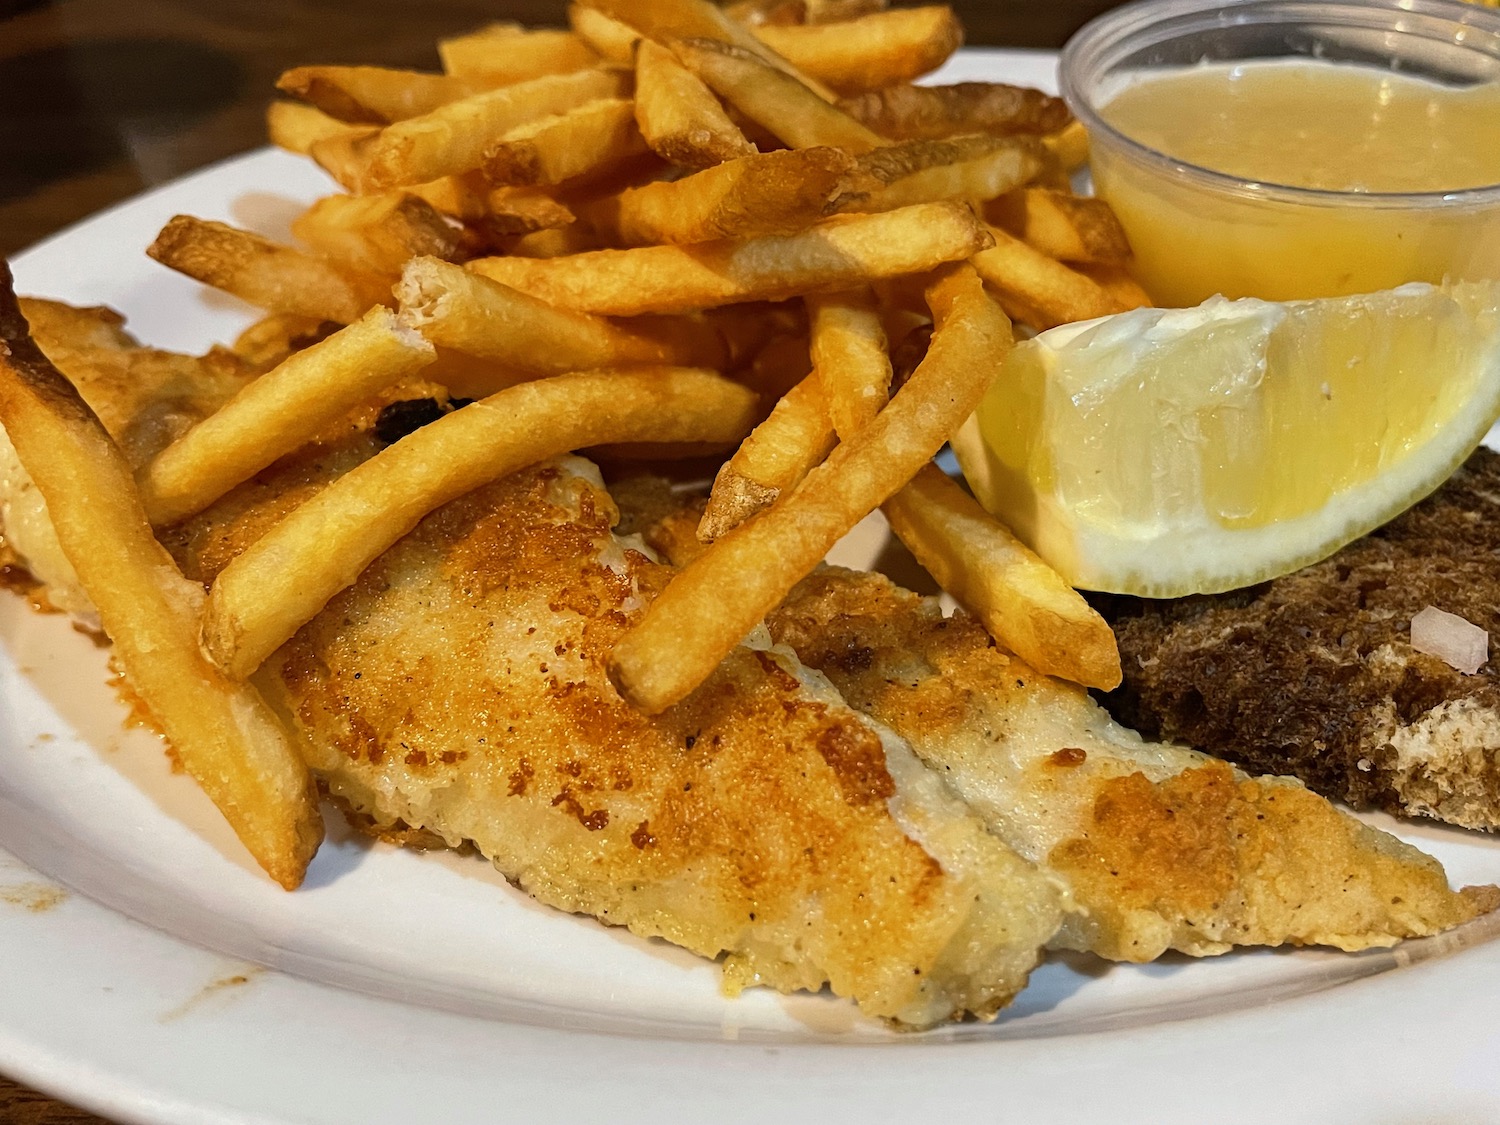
(1313, 674)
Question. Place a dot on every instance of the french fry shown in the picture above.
(768, 193)
(375, 95)
(691, 625)
(297, 127)
(851, 356)
(255, 269)
(458, 136)
(974, 167)
(522, 211)
(495, 212)
(1117, 281)
(788, 109)
(664, 20)
(612, 40)
(678, 115)
(506, 53)
(276, 413)
(762, 13)
(838, 253)
(282, 580)
(464, 197)
(1069, 146)
(378, 234)
(1037, 289)
(583, 141)
(341, 154)
(226, 737)
(871, 51)
(779, 366)
(1021, 600)
(1061, 225)
(561, 242)
(771, 461)
(836, 11)
(913, 113)
(456, 309)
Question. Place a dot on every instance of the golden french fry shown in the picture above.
(692, 625)
(463, 311)
(771, 461)
(1039, 290)
(579, 238)
(378, 234)
(496, 213)
(375, 95)
(1118, 282)
(297, 127)
(973, 167)
(457, 137)
(836, 11)
(778, 366)
(871, 51)
(1061, 225)
(851, 356)
(505, 53)
(1021, 600)
(913, 113)
(282, 580)
(522, 211)
(663, 20)
(278, 412)
(760, 13)
(838, 253)
(464, 196)
(583, 141)
(255, 269)
(226, 737)
(768, 193)
(341, 155)
(1069, 146)
(612, 40)
(778, 102)
(678, 115)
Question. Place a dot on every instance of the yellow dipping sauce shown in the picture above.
(1303, 124)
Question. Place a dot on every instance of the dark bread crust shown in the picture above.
(1313, 674)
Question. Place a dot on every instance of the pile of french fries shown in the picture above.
(693, 228)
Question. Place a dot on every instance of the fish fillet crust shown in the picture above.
(458, 688)
(1161, 848)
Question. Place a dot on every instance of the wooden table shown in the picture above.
(100, 99)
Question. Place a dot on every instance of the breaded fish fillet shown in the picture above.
(458, 687)
(1161, 848)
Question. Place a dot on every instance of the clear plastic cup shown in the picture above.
(1197, 232)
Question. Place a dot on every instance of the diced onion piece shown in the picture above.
(1451, 638)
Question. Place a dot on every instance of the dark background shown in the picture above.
(100, 99)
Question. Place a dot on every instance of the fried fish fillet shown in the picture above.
(1161, 848)
(458, 687)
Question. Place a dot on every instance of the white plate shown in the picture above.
(150, 973)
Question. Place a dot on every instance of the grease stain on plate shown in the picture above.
(35, 897)
(219, 991)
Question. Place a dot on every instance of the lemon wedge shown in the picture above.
(1164, 452)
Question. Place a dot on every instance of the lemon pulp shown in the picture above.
(1163, 452)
